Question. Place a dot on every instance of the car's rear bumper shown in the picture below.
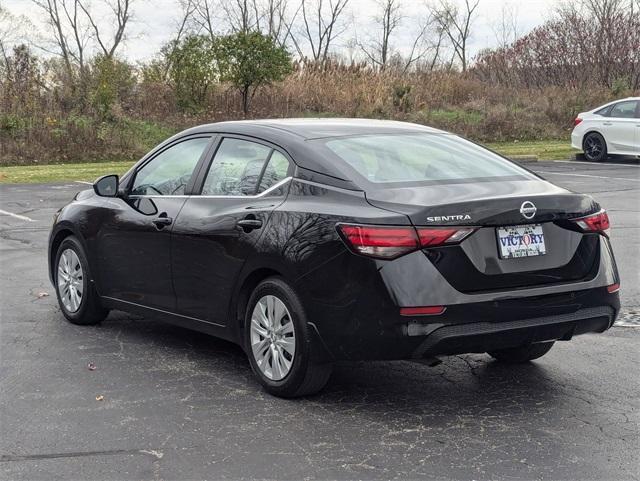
(576, 140)
(488, 336)
(381, 333)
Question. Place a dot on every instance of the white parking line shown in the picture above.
(83, 182)
(17, 216)
(601, 164)
(587, 175)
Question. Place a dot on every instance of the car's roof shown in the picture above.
(314, 128)
(613, 102)
(295, 137)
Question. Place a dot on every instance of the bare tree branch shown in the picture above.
(456, 24)
(122, 15)
(321, 26)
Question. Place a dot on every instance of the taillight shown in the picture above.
(435, 236)
(376, 241)
(389, 242)
(613, 288)
(598, 222)
(577, 121)
(422, 311)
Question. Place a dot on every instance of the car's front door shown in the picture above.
(133, 244)
(620, 127)
(216, 231)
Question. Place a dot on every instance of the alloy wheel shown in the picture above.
(593, 146)
(70, 280)
(273, 339)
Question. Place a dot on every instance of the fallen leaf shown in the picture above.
(91, 366)
(100, 397)
(42, 294)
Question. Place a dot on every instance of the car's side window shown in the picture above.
(170, 171)
(624, 110)
(276, 170)
(236, 168)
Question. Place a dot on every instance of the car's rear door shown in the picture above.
(133, 242)
(217, 230)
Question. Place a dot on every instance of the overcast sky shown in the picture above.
(155, 21)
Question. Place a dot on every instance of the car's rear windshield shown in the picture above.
(399, 158)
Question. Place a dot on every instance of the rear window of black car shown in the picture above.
(399, 158)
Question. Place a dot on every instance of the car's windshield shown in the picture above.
(396, 158)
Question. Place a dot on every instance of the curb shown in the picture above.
(524, 158)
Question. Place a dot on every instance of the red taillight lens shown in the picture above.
(377, 241)
(430, 237)
(577, 121)
(613, 288)
(389, 242)
(598, 222)
(422, 311)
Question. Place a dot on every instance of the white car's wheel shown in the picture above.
(594, 147)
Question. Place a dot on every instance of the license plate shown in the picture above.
(521, 241)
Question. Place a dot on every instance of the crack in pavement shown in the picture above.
(8, 458)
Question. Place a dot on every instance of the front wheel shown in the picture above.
(278, 342)
(517, 355)
(77, 296)
(594, 147)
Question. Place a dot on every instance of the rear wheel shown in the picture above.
(278, 342)
(517, 355)
(77, 297)
(594, 147)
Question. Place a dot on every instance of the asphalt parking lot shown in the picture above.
(181, 405)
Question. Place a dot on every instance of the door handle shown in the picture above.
(162, 220)
(249, 224)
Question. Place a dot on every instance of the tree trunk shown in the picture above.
(245, 100)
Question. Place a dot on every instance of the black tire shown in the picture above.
(594, 147)
(305, 377)
(90, 310)
(518, 355)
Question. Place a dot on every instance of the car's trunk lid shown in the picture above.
(481, 203)
(476, 264)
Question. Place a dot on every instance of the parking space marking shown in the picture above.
(586, 175)
(83, 182)
(606, 164)
(17, 216)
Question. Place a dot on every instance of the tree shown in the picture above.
(251, 60)
(73, 27)
(389, 19)
(594, 42)
(269, 17)
(111, 82)
(12, 33)
(321, 20)
(379, 50)
(192, 69)
(456, 24)
(121, 10)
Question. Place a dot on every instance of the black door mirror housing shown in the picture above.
(107, 186)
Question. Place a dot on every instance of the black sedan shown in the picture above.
(312, 241)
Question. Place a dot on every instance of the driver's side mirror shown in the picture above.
(107, 186)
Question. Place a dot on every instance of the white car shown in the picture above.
(613, 128)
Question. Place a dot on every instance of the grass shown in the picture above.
(88, 172)
(543, 149)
